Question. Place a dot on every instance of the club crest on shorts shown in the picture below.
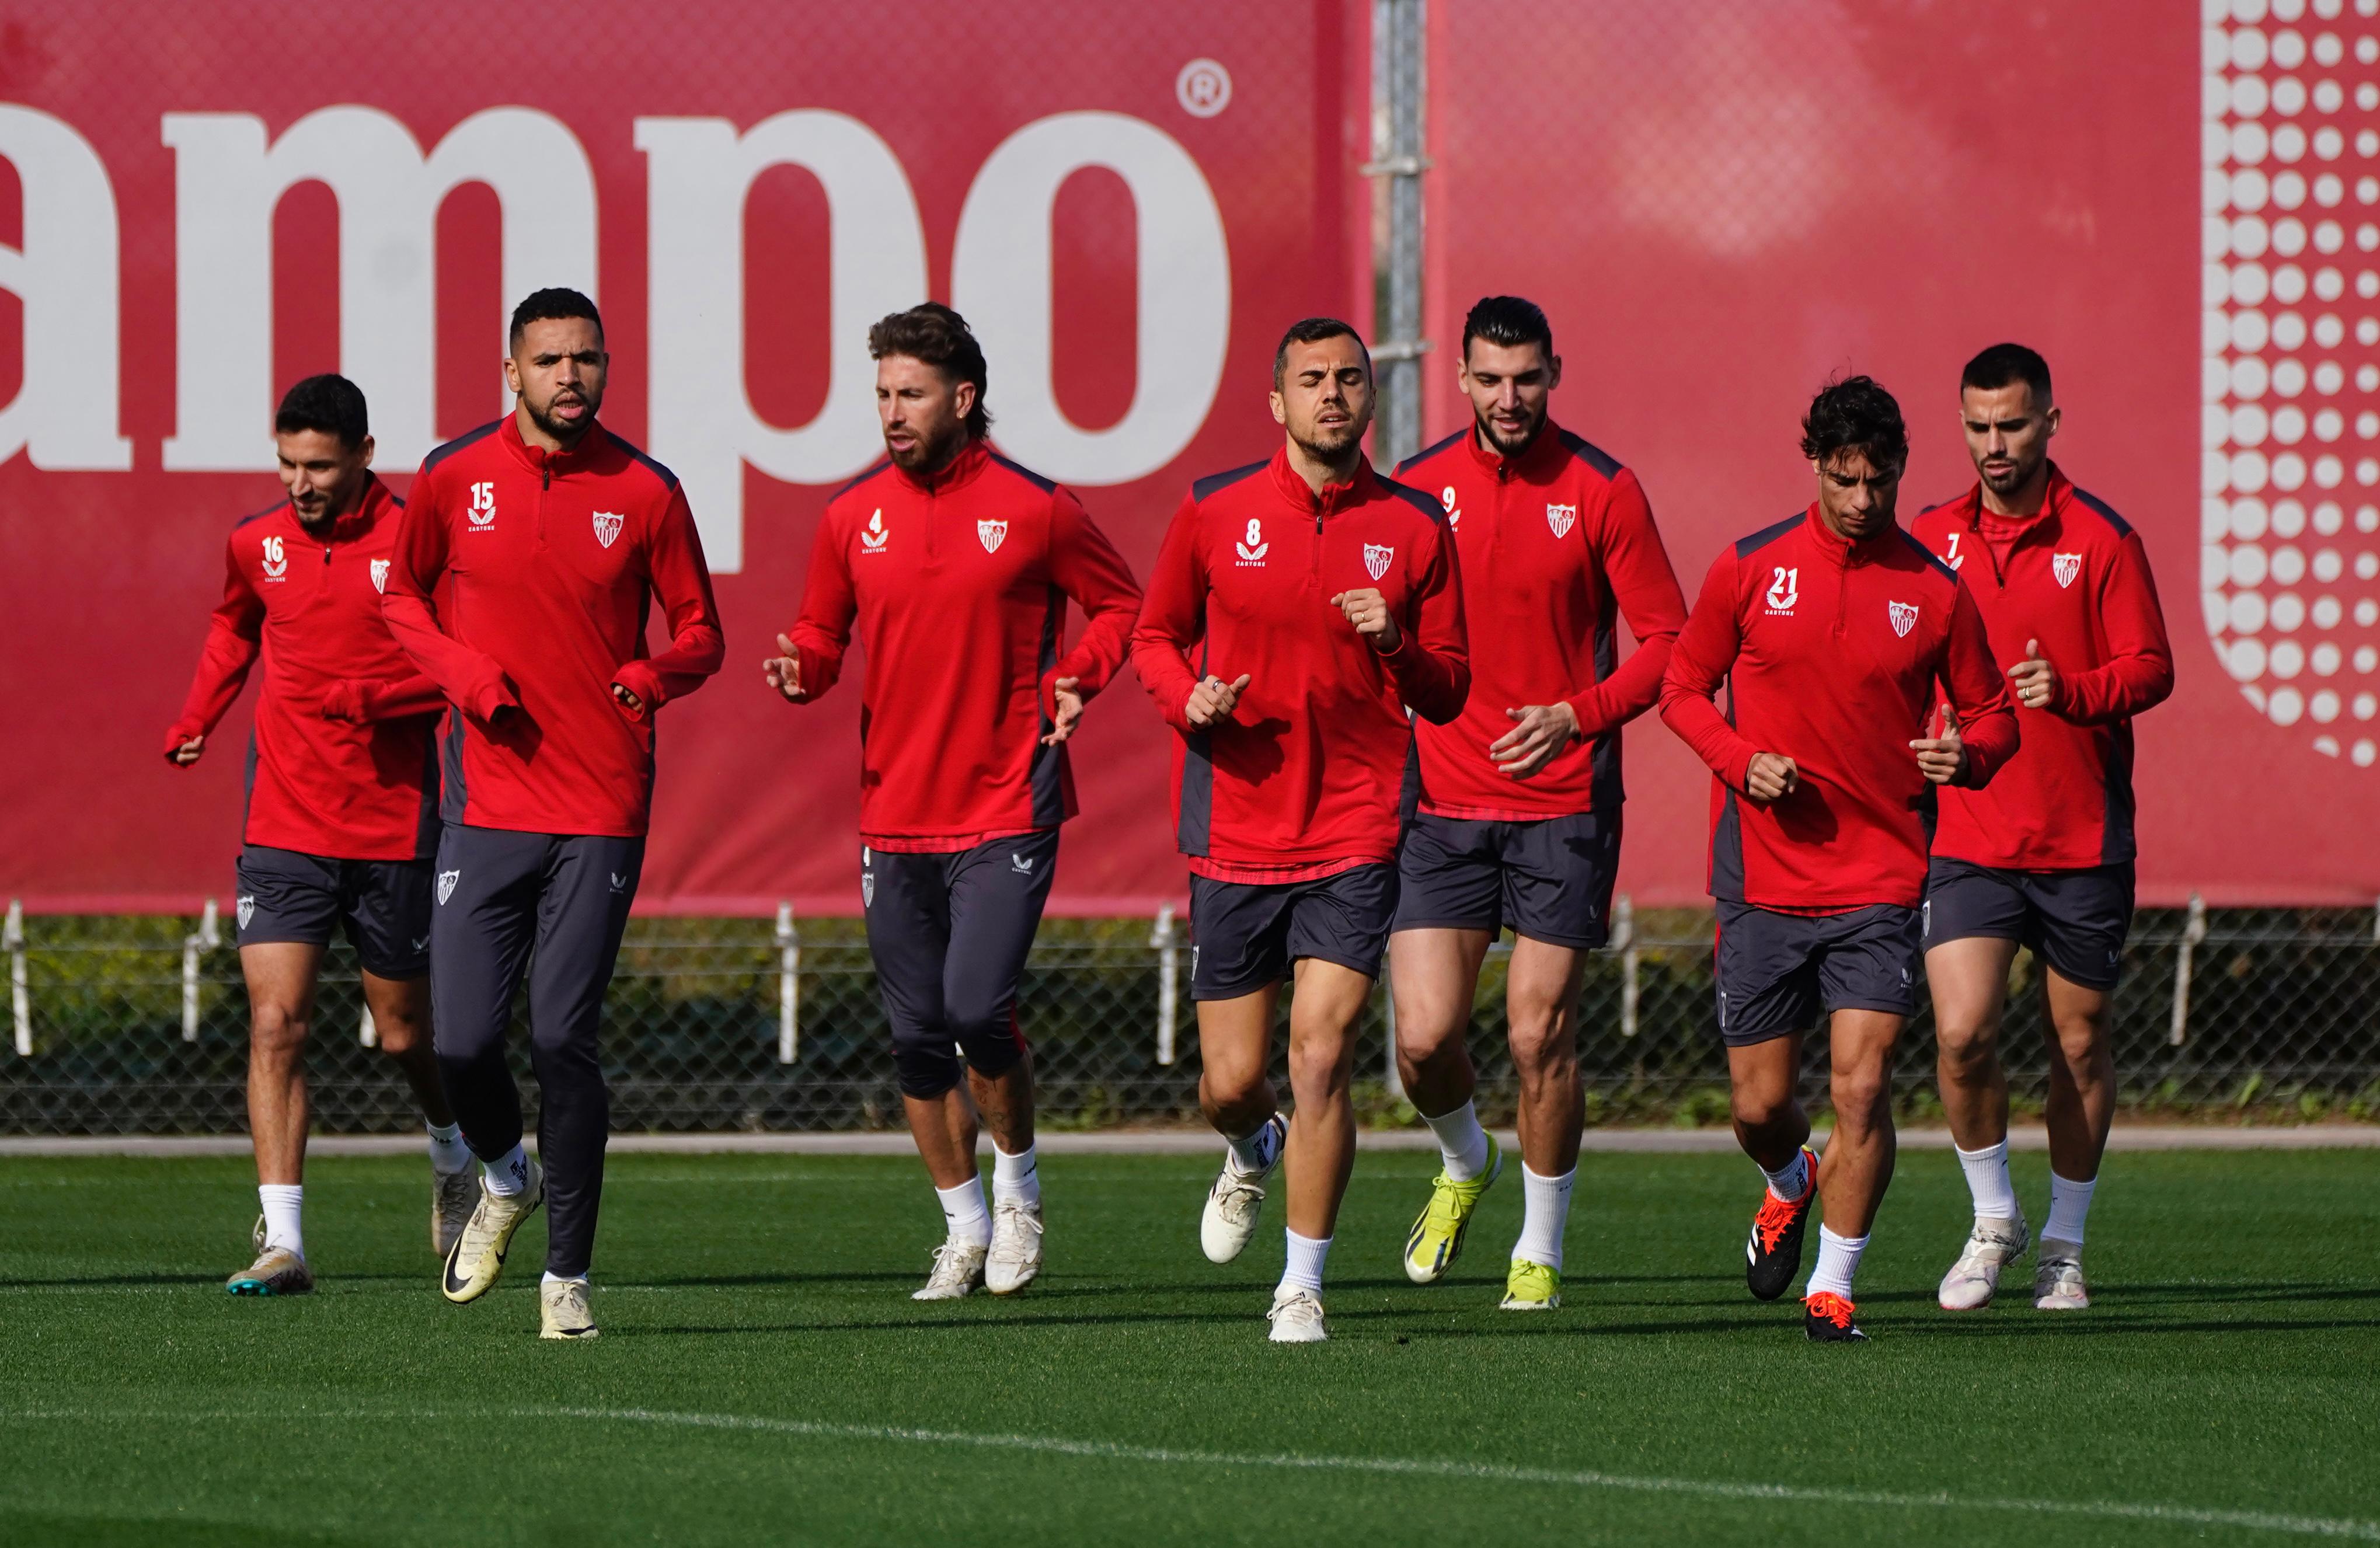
(867, 890)
(2066, 566)
(1904, 617)
(993, 534)
(607, 527)
(246, 910)
(1376, 557)
(446, 880)
(1561, 518)
(380, 575)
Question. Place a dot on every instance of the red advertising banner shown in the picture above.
(1128, 204)
(1721, 204)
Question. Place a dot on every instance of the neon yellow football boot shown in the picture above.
(1437, 1237)
(1531, 1288)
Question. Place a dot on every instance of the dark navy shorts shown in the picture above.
(1246, 935)
(2075, 921)
(383, 904)
(1549, 879)
(1785, 973)
(949, 932)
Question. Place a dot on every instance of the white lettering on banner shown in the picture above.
(1000, 280)
(64, 413)
(699, 172)
(227, 183)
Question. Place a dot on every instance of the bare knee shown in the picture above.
(1861, 1093)
(1544, 1052)
(1319, 1065)
(277, 1031)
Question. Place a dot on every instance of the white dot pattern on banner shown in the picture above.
(2289, 532)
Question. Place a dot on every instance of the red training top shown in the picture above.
(1304, 780)
(552, 559)
(958, 583)
(2075, 579)
(1557, 543)
(1830, 650)
(342, 761)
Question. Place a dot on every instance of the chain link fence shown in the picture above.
(138, 1025)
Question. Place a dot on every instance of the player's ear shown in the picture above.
(512, 375)
(963, 398)
(1553, 373)
(2049, 422)
(364, 453)
(1280, 409)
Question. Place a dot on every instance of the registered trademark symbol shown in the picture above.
(1204, 88)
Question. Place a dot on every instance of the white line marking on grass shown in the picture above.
(1114, 1451)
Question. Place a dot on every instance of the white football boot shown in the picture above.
(958, 1272)
(2058, 1277)
(1016, 1255)
(1991, 1246)
(1237, 1199)
(1296, 1316)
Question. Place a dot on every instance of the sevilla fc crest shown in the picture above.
(1561, 518)
(246, 910)
(446, 880)
(867, 890)
(607, 527)
(2066, 566)
(380, 575)
(1376, 557)
(993, 534)
(1904, 617)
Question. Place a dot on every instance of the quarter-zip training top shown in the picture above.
(957, 583)
(1304, 780)
(552, 561)
(1830, 650)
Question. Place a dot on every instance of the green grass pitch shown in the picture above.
(763, 1375)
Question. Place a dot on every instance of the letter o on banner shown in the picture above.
(1000, 281)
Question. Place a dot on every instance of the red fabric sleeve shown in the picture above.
(1088, 568)
(234, 638)
(1979, 694)
(2138, 673)
(1170, 620)
(681, 579)
(829, 605)
(1646, 588)
(1704, 653)
(364, 699)
(1431, 665)
(470, 678)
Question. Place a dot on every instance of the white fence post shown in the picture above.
(206, 938)
(367, 1030)
(1169, 980)
(789, 985)
(1389, 1075)
(2191, 933)
(1623, 940)
(21, 1000)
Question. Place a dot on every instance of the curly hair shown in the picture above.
(933, 333)
(1856, 415)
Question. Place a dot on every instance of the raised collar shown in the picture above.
(1332, 497)
(962, 470)
(2055, 496)
(1536, 457)
(374, 503)
(1843, 550)
(550, 464)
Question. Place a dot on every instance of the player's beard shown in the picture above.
(1327, 445)
(1528, 437)
(567, 434)
(928, 453)
(2015, 478)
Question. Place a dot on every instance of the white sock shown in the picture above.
(284, 1203)
(1256, 1152)
(553, 1278)
(1987, 1180)
(508, 1174)
(1015, 1178)
(1303, 1269)
(1462, 1142)
(1544, 1210)
(1839, 1259)
(2068, 1202)
(448, 1153)
(963, 1213)
(1792, 1181)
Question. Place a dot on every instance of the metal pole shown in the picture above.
(1169, 981)
(206, 938)
(1400, 83)
(789, 985)
(1623, 938)
(2191, 933)
(21, 1000)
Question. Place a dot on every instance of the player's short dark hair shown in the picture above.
(330, 404)
(933, 333)
(554, 304)
(2005, 365)
(1508, 320)
(1856, 415)
(1313, 330)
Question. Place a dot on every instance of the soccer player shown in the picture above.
(1519, 815)
(552, 538)
(1318, 600)
(1830, 630)
(955, 565)
(2044, 858)
(342, 791)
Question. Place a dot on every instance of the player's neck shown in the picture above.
(2027, 498)
(1321, 473)
(537, 435)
